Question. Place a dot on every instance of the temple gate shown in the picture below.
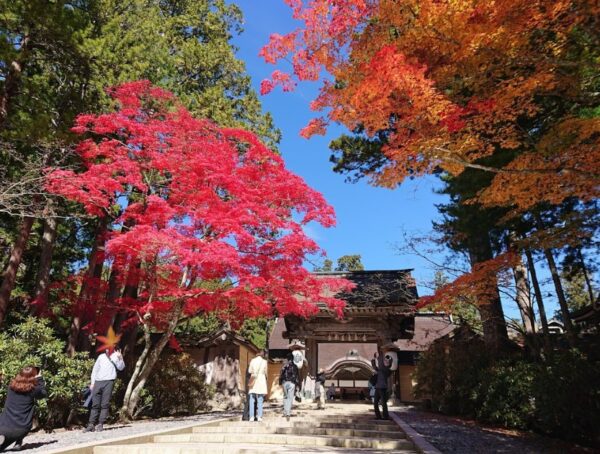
(379, 311)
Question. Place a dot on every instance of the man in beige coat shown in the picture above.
(257, 384)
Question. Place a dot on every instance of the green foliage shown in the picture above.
(567, 397)
(358, 156)
(198, 326)
(576, 291)
(33, 342)
(448, 376)
(344, 263)
(43, 37)
(176, 387)
(506, 391)
(327, 267)
(183, 46)
(350, 263)
(255, 330)
(559, 397)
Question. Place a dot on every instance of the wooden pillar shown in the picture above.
(312, 355)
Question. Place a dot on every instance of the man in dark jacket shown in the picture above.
(289, 378)
(383, 368)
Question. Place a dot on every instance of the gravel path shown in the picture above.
(457, 436)
(42, 441)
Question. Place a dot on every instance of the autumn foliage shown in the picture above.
(477, 287)
(198, 213)
(453, 82)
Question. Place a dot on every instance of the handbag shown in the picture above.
(251, 381)
(86, 395)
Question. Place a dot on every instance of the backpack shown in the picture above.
(373, 380)
(288, 374)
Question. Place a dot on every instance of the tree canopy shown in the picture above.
(443, 84)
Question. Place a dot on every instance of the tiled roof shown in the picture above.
(378, 288)
(276, 340)
(221, 335)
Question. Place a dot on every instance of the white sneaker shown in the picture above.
(259, 419)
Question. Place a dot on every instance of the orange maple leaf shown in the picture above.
(109, 341)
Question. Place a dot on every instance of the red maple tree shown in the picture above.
(204, 219)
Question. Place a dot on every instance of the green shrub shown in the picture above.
(176, 387)
(448, 376)
(567, 397)
(33, 342)
(506, 391)
(560, 396)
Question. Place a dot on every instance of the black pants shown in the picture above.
(100, 401)
(381, 395)
(11, 436)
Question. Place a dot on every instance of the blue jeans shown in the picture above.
(259, 405)
(288, 397)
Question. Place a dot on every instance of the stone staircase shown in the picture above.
(342, 428)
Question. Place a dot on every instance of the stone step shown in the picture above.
(282, 439)
(342, 432)
(232, 448)
(270, 420)
(358, 426)
(331, 418)
(309, 425)
(260, 428)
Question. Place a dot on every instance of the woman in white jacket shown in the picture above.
(257, 384)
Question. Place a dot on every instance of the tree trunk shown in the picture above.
(10, 274)
(130, 292)
(538, 293)
(586, 276)
(495, 334)
(147, 361)
(95, 266)
(523, 297)
(43, 275)
(562, 300)
(13, 80)
(117, 290)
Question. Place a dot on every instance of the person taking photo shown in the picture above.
(17, 417)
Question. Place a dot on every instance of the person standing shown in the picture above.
(17, 417)
(102, 382)
(257, 384)
(320, 385)
(383, 368)
(289, 378)
(331, 391)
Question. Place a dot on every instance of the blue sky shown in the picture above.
(370, 220)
